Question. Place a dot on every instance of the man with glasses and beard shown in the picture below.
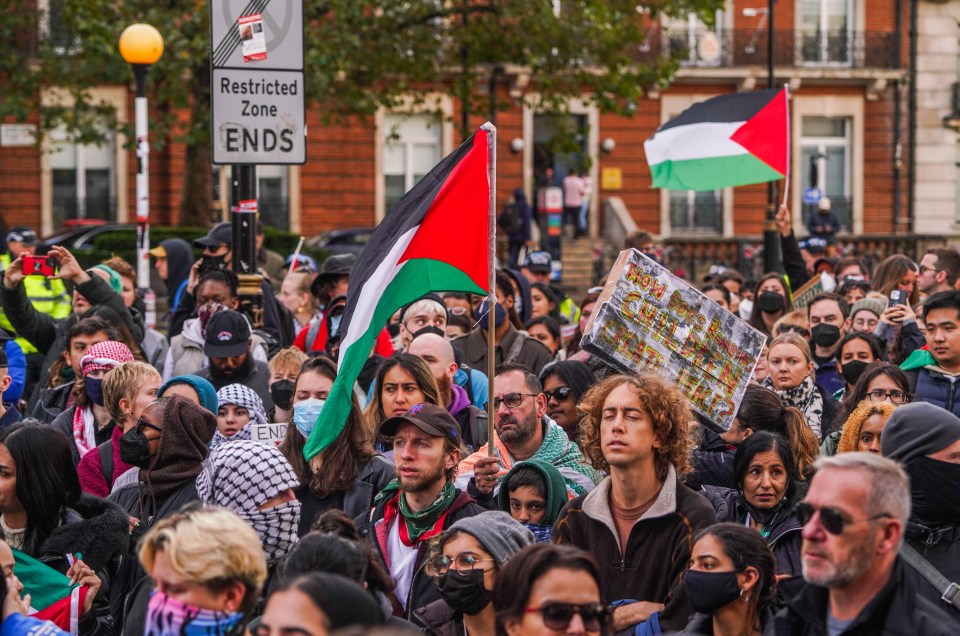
(854, 517)
(419, 504)
(437, 352)
(523, 431)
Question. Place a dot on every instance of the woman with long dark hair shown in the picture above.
(731, 582)
(772, 301)
(767, 489)
(879, 382)
(347, 474)
(402, 380)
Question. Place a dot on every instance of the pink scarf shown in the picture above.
(84, 430)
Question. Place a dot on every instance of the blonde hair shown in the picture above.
(122, 382)
(669, 414)
(794, 339)
(850, 437)
(209, 546)
(290, 358)
(796, 318)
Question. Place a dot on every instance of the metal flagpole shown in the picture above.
(492, 264)
(786, 183)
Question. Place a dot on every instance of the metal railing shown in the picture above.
(798, 48)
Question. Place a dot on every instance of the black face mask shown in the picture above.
(852, 370)
(770, 302)
(464, 591)
(93, 387)
(281, 392)
(825, 335)
(933, 488)
(135, 448)
(711, 591)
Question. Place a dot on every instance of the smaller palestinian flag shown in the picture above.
(435, 239)
(726, 141)
(52, 598)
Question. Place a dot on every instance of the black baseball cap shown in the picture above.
(335, 266)
(227, 336)
(22, 235)
(221, 233)
(433, 420)
(538, 262)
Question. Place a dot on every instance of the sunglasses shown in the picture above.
(512, 400)
(142, 424)
(557, 616)
(833, 520)
(559, 395)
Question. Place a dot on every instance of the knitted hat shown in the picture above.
(205, 390)
(918, 429)
(497, 532)
(116, 283)
(105, 355)
(875, 306)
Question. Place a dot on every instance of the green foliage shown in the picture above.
(360, 55)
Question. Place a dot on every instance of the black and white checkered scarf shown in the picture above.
(244, 475)
(246, 397)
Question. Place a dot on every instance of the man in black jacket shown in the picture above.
(420, 504)
(855, 513)
(227, 345)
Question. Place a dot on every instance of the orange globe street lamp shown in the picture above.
(141, 45)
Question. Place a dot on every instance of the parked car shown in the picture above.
(78, 237)
(343, 241)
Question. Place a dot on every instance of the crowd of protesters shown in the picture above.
(158, 475)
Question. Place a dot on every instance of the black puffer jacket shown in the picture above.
(897, 610)
(712, 462)
(784, 530)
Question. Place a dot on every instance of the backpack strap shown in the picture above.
(468, 387)
(106, 462)
(478, 426)
(312, 333)
(516, 346)
(949, 591)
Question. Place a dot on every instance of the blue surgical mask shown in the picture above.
(305, 414)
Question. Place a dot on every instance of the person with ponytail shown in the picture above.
(767, 490)
(761, 409)
(731, 582)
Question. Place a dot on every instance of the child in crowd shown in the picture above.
(533, 493)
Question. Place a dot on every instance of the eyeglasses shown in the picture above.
(804, 332)
(833, 520)
(142, 424)
(440, 564)
(557, 616)
(512, 400)
(924, 268)
(896, 397)
(559, 395)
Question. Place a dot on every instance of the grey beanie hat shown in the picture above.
(875, 306)
(918, 429)
(497, 532)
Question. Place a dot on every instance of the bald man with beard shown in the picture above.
(438, 354)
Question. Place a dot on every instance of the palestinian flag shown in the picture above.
(435, 239)
(726, 141)
(52, 598)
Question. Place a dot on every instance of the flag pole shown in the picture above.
(786, 183)
(492, 265)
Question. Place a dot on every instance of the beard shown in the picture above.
(843, 573)
(221, 378)
(522, 431)
(424, 480)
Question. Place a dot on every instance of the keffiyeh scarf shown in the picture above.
(101, 356)
(239, 395)
(244, 475)
(805, 397)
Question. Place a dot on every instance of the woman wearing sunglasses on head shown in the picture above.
(549, 589)
(731, 582)
(470, 556)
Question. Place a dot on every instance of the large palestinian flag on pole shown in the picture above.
(725, 141)
(436, 238)
(52, 597)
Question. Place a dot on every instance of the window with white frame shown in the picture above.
(412, 147)
(702, 45)
(83, 178)
(825, 32)
(825, 165)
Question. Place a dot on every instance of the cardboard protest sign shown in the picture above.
(647, 319)
(810, 290)
(268, 433)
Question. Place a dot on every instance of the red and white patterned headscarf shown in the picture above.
(105, 355)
